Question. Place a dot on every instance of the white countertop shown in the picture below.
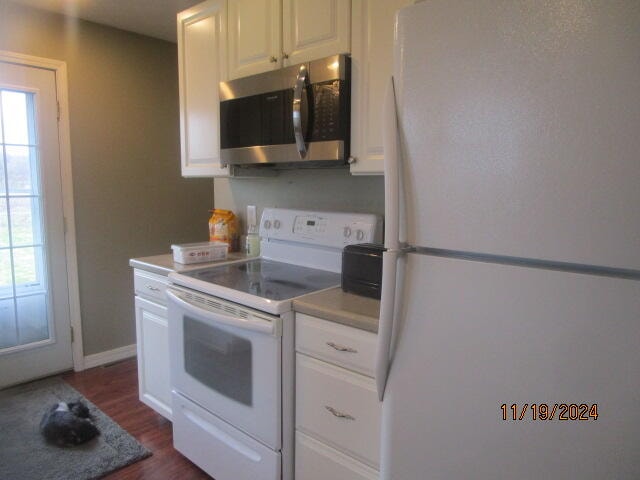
(164, 264)
(341, 307)
(332, 304)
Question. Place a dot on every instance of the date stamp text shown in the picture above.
(549, 412)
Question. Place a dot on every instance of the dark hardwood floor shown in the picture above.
(114, 389)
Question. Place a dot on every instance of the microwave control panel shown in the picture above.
(331, 229)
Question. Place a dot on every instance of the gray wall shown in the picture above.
(130, 199)
(333, 190)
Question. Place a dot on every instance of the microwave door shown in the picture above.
(296, 114)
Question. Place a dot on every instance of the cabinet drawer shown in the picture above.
(317, 461)
(347, 347)
(218, 448)
(339, 407)
(150, 285)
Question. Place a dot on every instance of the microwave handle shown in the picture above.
(261, 326)
(301, 82)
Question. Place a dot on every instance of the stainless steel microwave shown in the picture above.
(295, 116)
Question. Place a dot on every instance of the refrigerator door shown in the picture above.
(519, 123)
(475, 336)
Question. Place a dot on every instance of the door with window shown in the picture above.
(35, 334)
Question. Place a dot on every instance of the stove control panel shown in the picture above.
(330, 229)
(310, 225)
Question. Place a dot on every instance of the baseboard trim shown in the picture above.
(110, 356)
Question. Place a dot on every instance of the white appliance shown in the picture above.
(231, 342)
(512, 279)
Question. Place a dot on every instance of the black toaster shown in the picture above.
(362, 269)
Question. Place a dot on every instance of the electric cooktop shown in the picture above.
(267, 278)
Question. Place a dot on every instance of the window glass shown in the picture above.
(219, 360)
(21, 170)
(15, 116)
(24, 310)
(25, 221)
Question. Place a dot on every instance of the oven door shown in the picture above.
(228, 360)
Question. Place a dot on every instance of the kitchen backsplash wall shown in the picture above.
(334, 190)
(130, 199)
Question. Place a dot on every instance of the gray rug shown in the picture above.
(24, 454)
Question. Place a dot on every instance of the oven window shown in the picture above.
(218, 359)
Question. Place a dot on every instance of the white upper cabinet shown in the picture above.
(269, 34)
(371, 68)
(254, 28)
(314, 29)
(201, 66)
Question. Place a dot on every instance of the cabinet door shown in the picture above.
(201, 66)
(152, 331)
(254, 28)
(313, 29)
(371, 69)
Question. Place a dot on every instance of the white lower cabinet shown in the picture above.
(152, 332)
(337, 409)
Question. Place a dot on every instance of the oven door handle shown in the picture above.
(261, 326)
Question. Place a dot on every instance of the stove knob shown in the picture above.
(276, 224)
(360, 235)
(267, 224)
(347, 232)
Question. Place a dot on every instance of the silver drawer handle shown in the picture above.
(153, 289)
(340, 348)
(338, 414)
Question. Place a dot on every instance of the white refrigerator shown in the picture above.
(509, 337)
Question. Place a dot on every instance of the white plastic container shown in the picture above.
(199, 252)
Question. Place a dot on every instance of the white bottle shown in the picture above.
(252, 243)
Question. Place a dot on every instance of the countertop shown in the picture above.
(340, 307)
(332, 304)
(164, 264)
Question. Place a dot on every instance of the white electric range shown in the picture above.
(231, 334)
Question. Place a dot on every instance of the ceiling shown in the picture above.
(155, 18)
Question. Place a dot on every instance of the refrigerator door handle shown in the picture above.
(385, 325)
(392, 237)
(391, 169)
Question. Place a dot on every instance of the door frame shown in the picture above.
(59, 68)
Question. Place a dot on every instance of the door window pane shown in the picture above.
(15, 116)
(4, 224)
(22, 170)
(24, 264)
(25, 221)
(32, 318)
(3, 185)
(24, 309)
(8, 332)
(6, 274)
